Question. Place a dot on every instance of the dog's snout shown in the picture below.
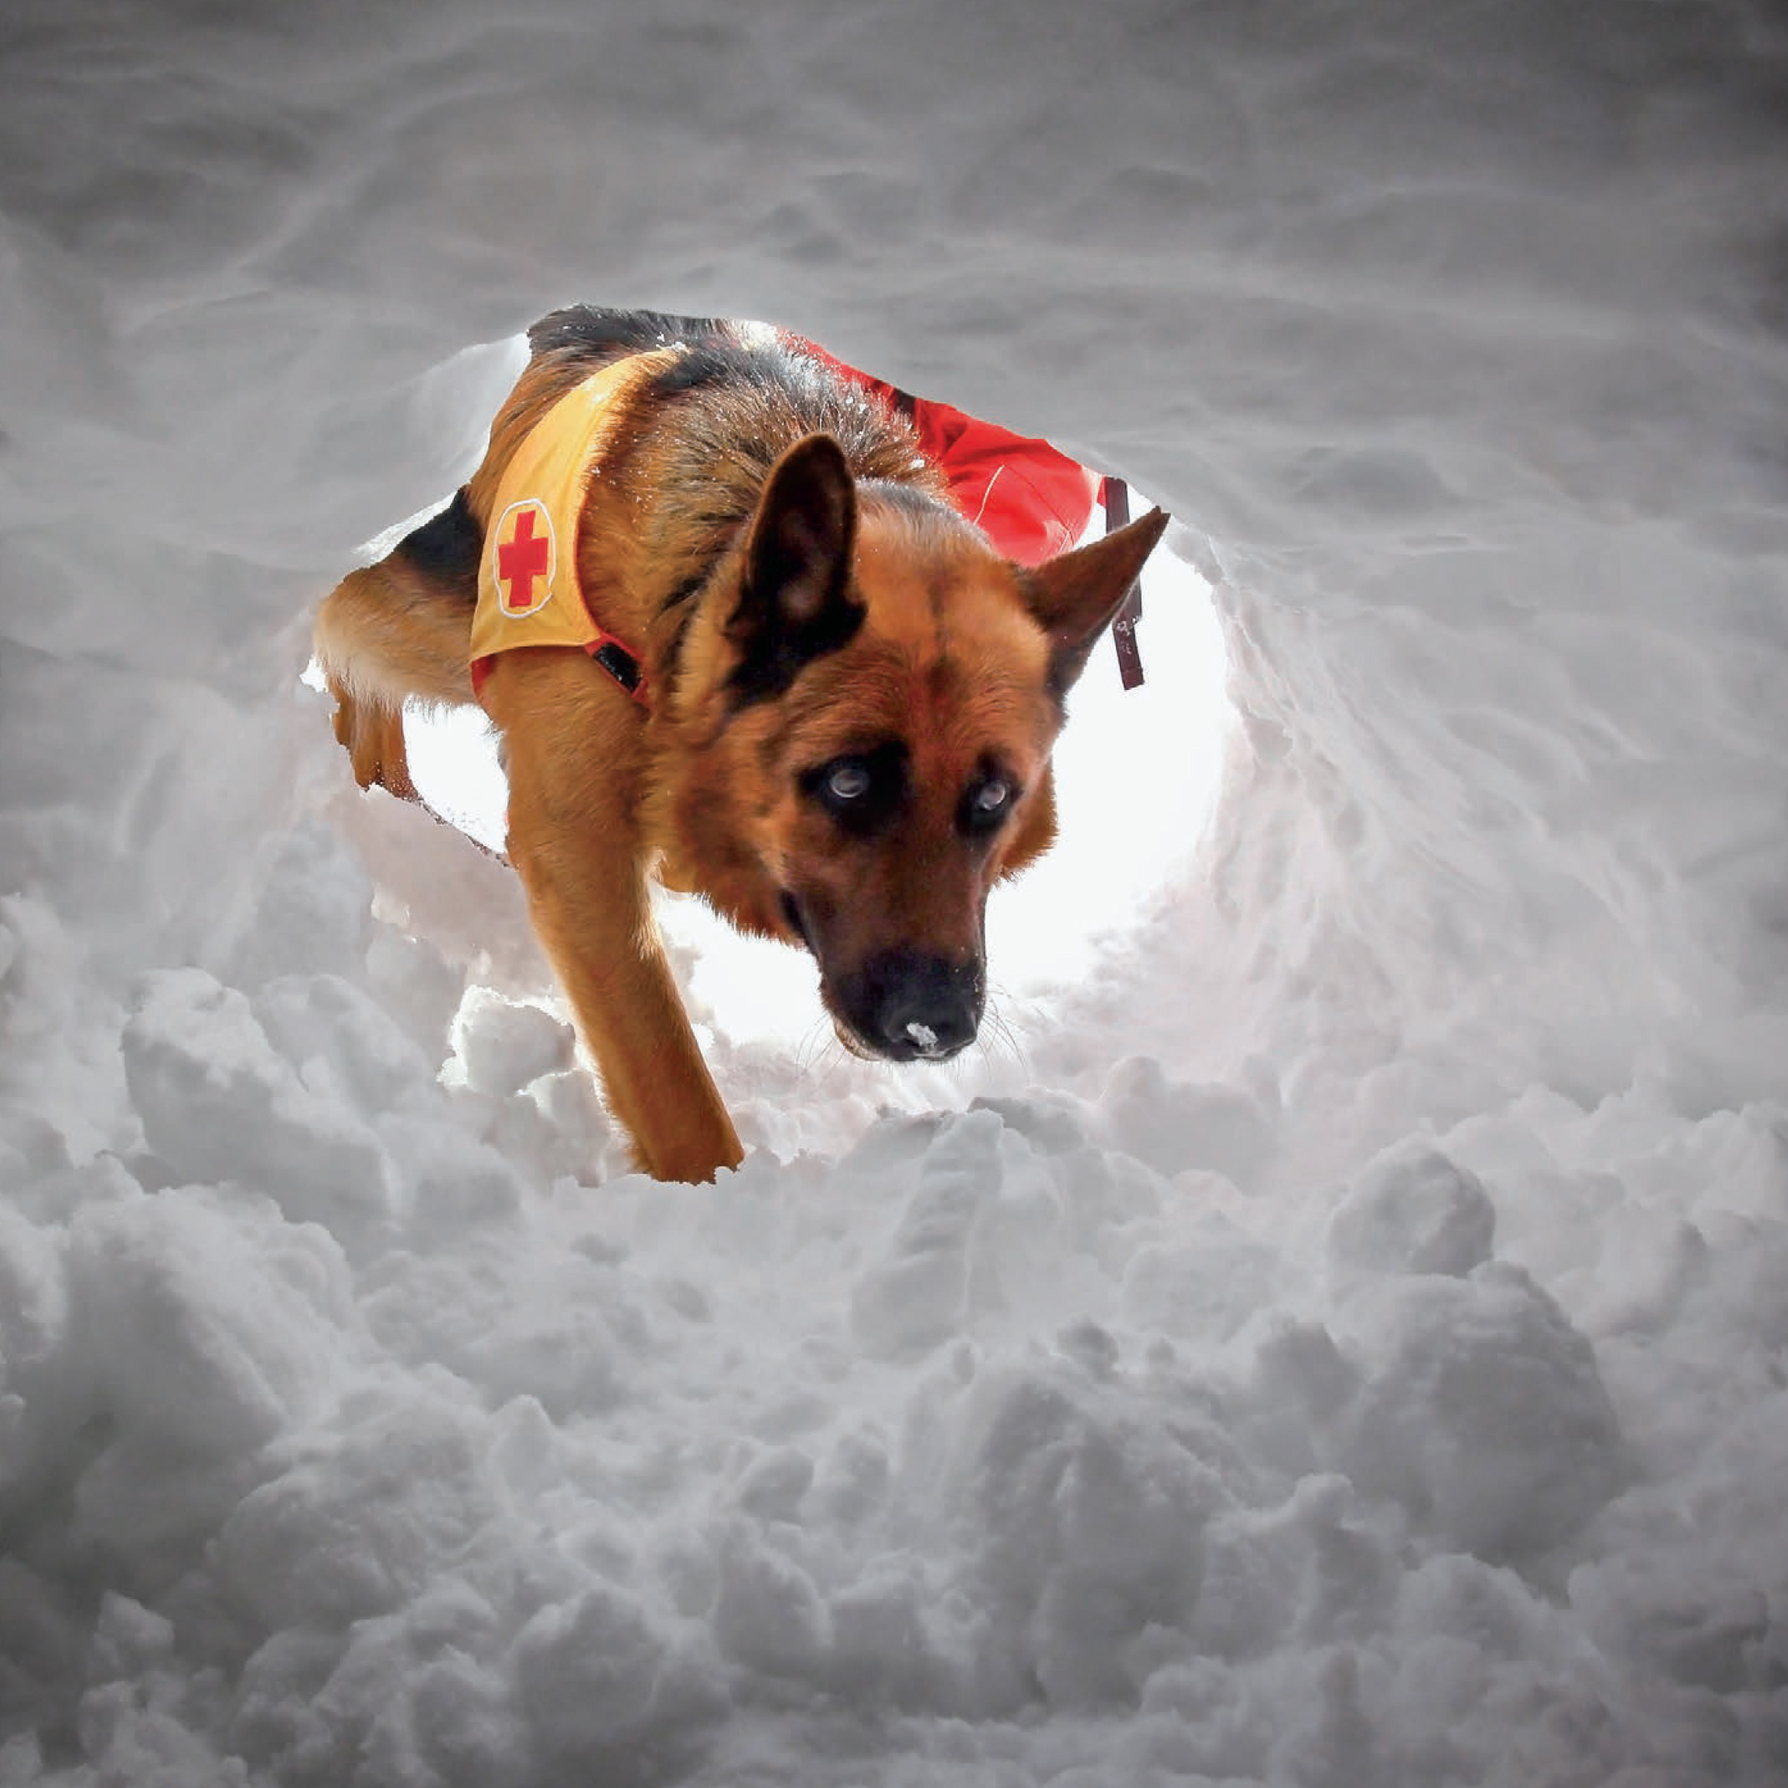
(912, 1007)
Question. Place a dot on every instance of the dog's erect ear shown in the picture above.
(1074, 596)
(795, 603)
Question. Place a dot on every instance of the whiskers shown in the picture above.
(819, 1050)
(998, 1040)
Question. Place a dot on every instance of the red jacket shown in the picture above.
(1032, 500)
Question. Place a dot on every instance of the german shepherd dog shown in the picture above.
(821, 700)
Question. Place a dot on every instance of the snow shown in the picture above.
(1335, 1336)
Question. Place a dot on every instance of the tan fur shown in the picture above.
(953, 659)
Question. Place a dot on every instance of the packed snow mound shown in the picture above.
(1336, 1339)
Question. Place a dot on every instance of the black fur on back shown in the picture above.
(445, 548)
(785, 392)
(602, 335)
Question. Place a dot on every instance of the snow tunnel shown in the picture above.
(1343, 1345)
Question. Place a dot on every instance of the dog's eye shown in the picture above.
(863, 791)
(847, 782)
(986, 804)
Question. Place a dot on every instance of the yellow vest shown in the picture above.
(528, 590)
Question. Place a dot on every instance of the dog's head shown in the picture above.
(880, 691)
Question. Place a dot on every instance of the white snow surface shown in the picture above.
(1342, 1339)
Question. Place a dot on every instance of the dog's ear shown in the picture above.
(795, 603)
(1074, 596)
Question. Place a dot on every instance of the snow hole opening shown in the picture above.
(1137, 773)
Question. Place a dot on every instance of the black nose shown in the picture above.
(909, 1006)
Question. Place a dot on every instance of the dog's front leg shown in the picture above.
(572, 748)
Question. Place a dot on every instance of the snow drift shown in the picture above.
(1341, 1343)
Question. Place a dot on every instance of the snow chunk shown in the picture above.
(1083, 1512)
(212, 1329)
(604, 1686)
(768, 1614)
(313, 912)
(361, 1517)
(1173, 1124)
(346, 1047)
(219, 1103)
(514, 1320)
(1204, 1283)
(502, 1044)
(1483, 1413)
(44, 1389)
(917, 1295)
(1413, 1211)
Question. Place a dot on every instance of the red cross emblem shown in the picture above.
(526, 555)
